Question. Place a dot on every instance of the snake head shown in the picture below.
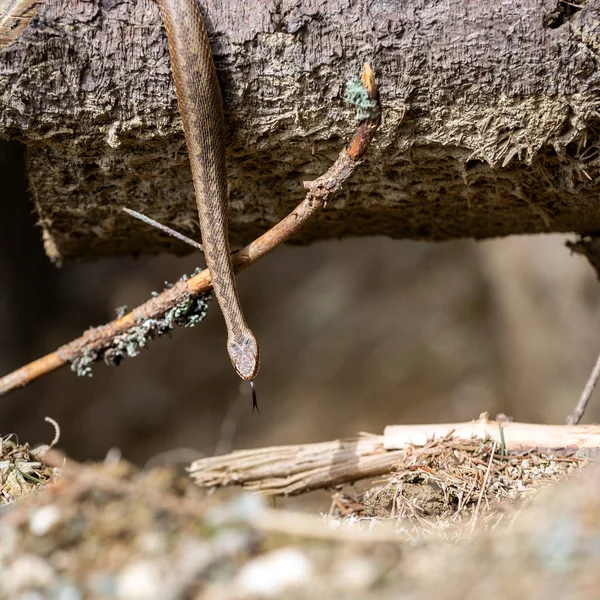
(244, 356)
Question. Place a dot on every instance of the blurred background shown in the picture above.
(354, 335)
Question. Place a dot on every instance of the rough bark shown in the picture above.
(491, 118)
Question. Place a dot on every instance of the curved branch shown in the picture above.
(97, 340)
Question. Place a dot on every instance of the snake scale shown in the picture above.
(201, 108)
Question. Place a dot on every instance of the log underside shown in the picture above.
(491, 118)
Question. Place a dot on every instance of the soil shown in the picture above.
(453, 521)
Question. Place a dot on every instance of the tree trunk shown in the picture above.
(491, 118)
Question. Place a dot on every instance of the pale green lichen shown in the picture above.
(121, 311)
(356, 94)
(186, 313)
(82, 365)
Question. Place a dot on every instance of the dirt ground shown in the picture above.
(451, 521)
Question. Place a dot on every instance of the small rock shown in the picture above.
(43, 520)
(271, 574)
(140, 581)
(29, 572)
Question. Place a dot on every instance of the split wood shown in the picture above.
(288, 470)
(320, 191)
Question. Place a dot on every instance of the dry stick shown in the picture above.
(319, 192)
(288, 470)
(577, 414)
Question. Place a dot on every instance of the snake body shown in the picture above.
(201, 108)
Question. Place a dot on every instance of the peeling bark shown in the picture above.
(491, 118)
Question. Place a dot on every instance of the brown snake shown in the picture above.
(201, 108)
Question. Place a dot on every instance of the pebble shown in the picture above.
(28, 572)
(271, 574)
(43, 520)
(140, 581)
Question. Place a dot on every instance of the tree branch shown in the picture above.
(579, 410)
(97, 342)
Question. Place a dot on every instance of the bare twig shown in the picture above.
(577, 414)
(41, 450)
(94, 341)
(164, 228)
(56, 426)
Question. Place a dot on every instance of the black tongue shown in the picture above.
(254, 402)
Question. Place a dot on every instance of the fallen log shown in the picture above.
(490, 122)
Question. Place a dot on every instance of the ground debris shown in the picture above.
(21, 469)
(442, 487)
(109, 530)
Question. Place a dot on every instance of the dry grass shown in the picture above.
(22, 470)
(448, 486)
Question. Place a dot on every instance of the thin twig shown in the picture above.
(483, 486)
(320, 191)
(163, 228)
(502, 441)
(577, 414)
(56, 426)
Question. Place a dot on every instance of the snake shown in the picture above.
(201, 107)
